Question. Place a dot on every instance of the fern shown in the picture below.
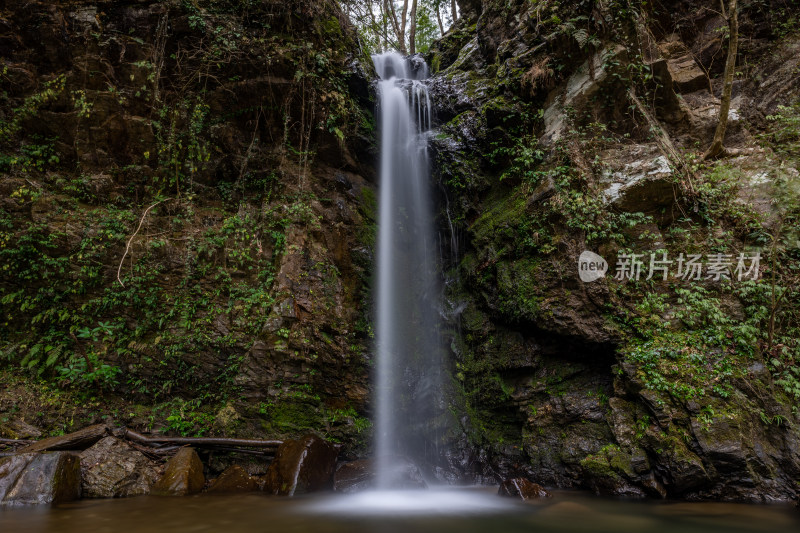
(53, 354)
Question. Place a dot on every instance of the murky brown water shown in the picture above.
(478, 511)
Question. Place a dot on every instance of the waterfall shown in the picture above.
(408, 384)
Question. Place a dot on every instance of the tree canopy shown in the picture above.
(408, 26)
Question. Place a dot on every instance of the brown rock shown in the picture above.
(79, 440)
(354, 476)
(234, 479)
(113, 469)
(686, 75)
(301, 466)
(519, 487)
(357, 476)
(183, 475)
(37, 478)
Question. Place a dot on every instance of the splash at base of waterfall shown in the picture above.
(448, 501)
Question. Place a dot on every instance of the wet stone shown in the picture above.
(39, 478)
(361, 475)
(183, 475)
(234, 479)
(521, 488)
(113, 469)
(301, 466)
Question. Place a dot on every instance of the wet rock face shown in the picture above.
(182, 476)
(355, 476)
(113, 469)
(358, 476)
(523, 489)
(586, 82)
(551, 388)
(117, 67)
(639, 179)
(301, 466)
(40, 478)
(234, 479)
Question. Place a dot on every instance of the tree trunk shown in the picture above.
(401, 38)
(438, 10)
(392, 15)
(455, 10)
(376, 26)
(717, 145)
(385, 22)
(412, 32)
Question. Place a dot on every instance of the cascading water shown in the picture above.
(410, 413)
(407, 336)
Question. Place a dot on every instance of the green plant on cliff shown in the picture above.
(700, 354)
(182, 149)
(29, 108)
(187, 418)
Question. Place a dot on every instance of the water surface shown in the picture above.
(447, 511)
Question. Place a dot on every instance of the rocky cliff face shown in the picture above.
(578, 126)
(187, 215)
(187, 223)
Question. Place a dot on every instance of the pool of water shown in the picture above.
(440, 511)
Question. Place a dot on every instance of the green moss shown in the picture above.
(436, 63)
(610, 461)
(368, 207)
(498, 111)
(291, 417)
(369, 203)
(520, 291)
(331, 28)
(500, 219)
(473, 319)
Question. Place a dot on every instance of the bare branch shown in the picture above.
(128, 245)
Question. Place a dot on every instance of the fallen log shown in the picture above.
(15, 442)
(160, 445)
(79, 440)
(197, 442)
(245, 451)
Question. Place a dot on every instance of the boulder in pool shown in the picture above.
(40, 478)
(183, 475)
(234, 479)
(361, 475)
(521, 488)
(113, 469)
(301, 466)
